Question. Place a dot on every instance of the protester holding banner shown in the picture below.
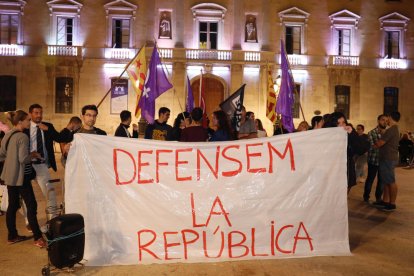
(159, 129)
(66, 136)
(356, 144)
(223, 129)
(182, 121)
(89, 115)
(122, 130)
(261, 132)
(247, 127)
(17, 175)
(303, 126)
(195, 132)
(317, 122)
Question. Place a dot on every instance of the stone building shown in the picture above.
(354, 56)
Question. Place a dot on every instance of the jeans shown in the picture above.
(42, 178)
(26, 192)
(372, 173)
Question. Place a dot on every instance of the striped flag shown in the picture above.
(137, 72)
(271, 97)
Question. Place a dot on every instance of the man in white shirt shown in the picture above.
(42, 135)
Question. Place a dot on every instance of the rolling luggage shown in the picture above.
(66, 241)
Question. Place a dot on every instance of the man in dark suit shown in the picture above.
(42, 135)
(122, 130)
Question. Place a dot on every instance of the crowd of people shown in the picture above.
(28, 153)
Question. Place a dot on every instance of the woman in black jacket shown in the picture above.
(356, 144)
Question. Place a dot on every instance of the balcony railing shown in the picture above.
(297, 60)
(252, 56)
(11, 50)
(393, 63)
(166, 52)
(208, 54)
(119, 53)
(57, 50)
(344, 60)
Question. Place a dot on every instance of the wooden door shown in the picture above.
(214, 93)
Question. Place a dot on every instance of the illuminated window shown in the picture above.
(208, 24)
(65, 22)
(392, 44)
(120, 17)
(390, 99)
(120, 33)
(344, 24)
(393, 26)
(10, 21)
(343, 37)
(294, 22)
(208, 35)
(9, 24)
(64, 34)
(293, 40)
(342, 99)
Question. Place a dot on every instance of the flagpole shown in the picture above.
(117, 80)
(200, 87)
(300, 105)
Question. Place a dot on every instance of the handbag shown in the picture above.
(2, 163)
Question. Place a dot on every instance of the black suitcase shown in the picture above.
(66, 240)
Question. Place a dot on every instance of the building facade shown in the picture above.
(350, 56)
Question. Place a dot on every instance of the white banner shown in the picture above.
(149, 201)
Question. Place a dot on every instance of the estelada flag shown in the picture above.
(137, 71)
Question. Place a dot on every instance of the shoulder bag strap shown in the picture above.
(7, 143)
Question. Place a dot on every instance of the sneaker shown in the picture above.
(40, 242)
(379, 204)
(17, 239)
(389, 208)
(28, 228)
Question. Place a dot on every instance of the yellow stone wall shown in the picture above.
(35, 70)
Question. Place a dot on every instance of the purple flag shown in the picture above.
(189, 104)
(155, 84)
(285, 99)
